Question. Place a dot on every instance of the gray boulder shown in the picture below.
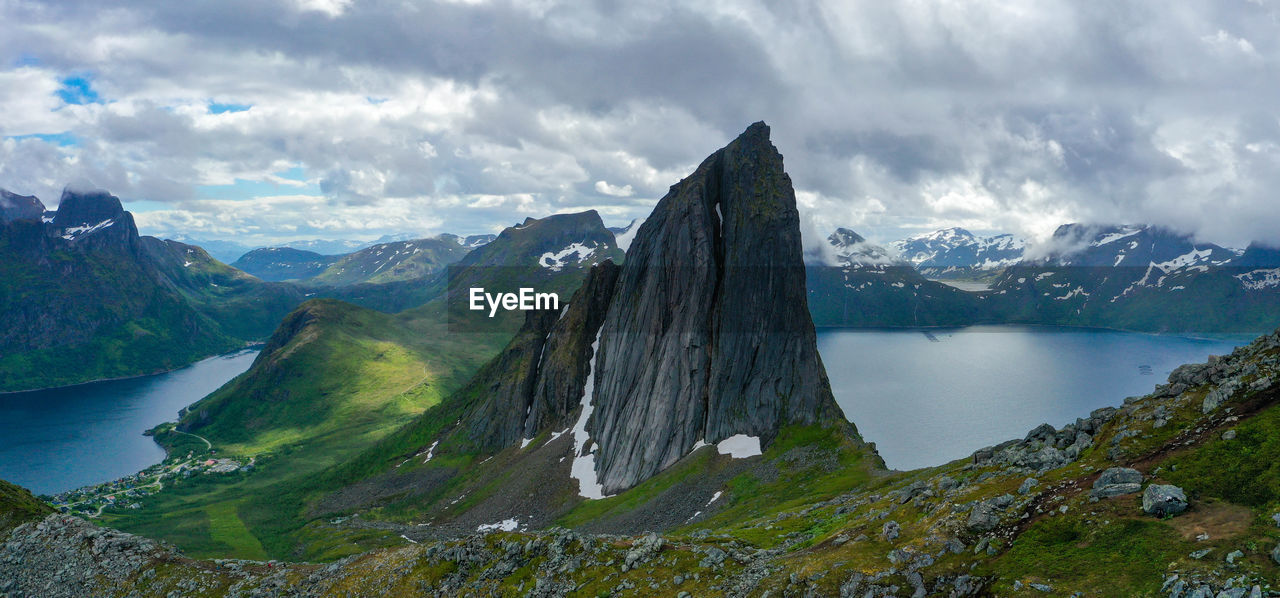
(1118, 475)
(985, 517)
(891, 531)
(1275, 554)
(1162, 500)
(1219, 395)
(1117, 481)
(643, 549)
(1027, 485)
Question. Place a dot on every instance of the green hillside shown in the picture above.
(77, 315)
(84, 297)
(333, 380)
(18, 506)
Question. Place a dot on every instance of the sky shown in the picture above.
(271, 120)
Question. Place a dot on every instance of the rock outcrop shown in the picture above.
(1164, 500)
(709, 335)
(1117, 481)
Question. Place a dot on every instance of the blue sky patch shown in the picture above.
(219, 108)
(78, 89)
(63, 139)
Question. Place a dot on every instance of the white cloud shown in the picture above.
(607, 189)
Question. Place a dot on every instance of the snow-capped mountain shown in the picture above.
(1132, 246)
(853, 282)
(958, 253)
(469, 241)
(1139, 277)
(848, 249)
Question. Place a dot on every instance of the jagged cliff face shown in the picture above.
(709, 335)
(536, 383)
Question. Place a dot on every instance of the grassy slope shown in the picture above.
(132, 325)
(243, 307)
(18, 506)
(318, 395)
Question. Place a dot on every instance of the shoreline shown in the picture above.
(1193, 334)
(248, 347)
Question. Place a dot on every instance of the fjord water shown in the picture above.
(929, 397)
(63, 438)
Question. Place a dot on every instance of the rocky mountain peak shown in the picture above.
(553, 242)
(86, 208)
(844, 236)
(708, 335)
(1258, 255)
(19, 207)
(703, 335)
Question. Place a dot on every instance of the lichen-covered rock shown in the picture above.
(1117, 481)
(985, 515)
(644, 549)
(891, 531)
(1162, 500)
(1027, 485)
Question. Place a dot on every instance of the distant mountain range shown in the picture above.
(1123, 276)
(231, 251)
(85, 297)
(958, 253)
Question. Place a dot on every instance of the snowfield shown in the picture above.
(557, 261)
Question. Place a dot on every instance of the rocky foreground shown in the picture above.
(1172, 494)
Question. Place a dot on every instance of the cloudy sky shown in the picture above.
(267, 120)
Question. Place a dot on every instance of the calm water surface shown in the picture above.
(928, 398)
(56, 440)
(923, 398)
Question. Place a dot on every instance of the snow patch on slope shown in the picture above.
(1260, 279)
(556, 261)
(740, 446)
(506, 525)
(584, 465)
(74, 232)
